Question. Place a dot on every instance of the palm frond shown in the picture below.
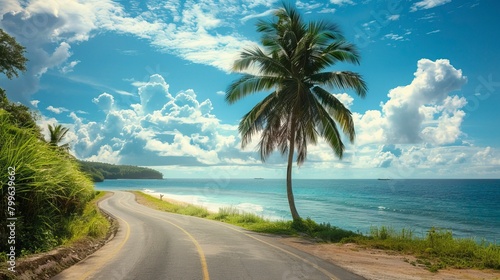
(256, 119)
(341, 51)
(328, 130)
(258, 58)
(57, 133)
(274, 136)
(342, 80)
(324, 32)
(337, 110)
(249, 84)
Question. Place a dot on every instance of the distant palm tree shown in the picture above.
(292, 63)
(57, 133)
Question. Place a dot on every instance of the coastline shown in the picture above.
(182, 200)
(354, 205)
(370, 263)
(209, 206)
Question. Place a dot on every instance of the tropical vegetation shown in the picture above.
(100, 171)
(12, 59)
(43, 191)
(56, 134)
(292, 63)
(50, 190)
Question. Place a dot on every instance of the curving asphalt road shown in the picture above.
(151, 244)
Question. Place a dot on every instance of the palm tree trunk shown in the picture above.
(289, 191)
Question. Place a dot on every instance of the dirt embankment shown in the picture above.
(375, 264)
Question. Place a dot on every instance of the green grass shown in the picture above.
(435, 250)
(90, 224)
(49, 188)
(231, 215)
(186, 209)
(252, 222)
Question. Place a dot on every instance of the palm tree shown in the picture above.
(299, 109)
(57, 133)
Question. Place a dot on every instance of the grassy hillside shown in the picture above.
(42, 187)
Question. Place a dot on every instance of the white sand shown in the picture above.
(210, 206)
(187, 199)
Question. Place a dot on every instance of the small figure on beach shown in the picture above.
(161, 196)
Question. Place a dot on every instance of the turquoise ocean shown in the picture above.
(469, 208)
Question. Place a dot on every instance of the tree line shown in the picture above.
(100, 171)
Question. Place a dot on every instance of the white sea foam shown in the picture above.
(195, 200)
(250, 207)
(202, 201)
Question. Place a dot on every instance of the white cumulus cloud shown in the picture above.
(163, 129)
(433, 82)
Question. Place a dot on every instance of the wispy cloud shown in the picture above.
(429, 17)
(251, 16)
(327, 11)
(394, 17)
(434, 31)
(428, 4)
(122, 92)
(394, 37)
(128, 52)
(69, 67)
(342, 2)
(91, 82)
(308, 6)
(57, 110)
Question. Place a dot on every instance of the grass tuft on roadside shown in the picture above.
(437, 249)
(91, 223)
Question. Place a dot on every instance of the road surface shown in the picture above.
(151, 244)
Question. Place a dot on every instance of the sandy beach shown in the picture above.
(370, 263)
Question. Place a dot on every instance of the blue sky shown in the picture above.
(142, 83)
